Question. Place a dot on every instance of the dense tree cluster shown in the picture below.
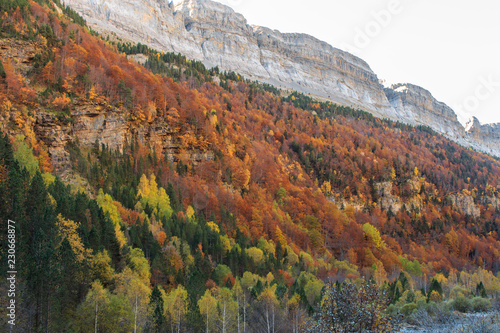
(292, 196)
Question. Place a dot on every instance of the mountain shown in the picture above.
(156, 197)
(215, 34)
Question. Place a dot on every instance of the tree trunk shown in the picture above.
(135, 315)
(244, 314)
(95, 325)
(224, 319)
(238, 309)
(274, 317)
(207, 331)
(267, 321)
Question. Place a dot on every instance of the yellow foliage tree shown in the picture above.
(105, 201)
(101, 268)
(373, 235)
(256, 254)
(157, 198)
(69, 229)
(176, 304)
(208, 309)
(137, 292)
(139, 264)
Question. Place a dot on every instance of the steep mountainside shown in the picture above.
(158, 192)
(213, 33)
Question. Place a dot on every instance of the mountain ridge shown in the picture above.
(215, 34)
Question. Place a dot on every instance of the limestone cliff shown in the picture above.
(309, 65)
(213, 33)
(415, 105)
(484, 137)
(465, 204)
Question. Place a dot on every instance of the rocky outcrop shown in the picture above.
(55, 136)
(99, 122)
(91, 123)
(19, 52)
(388, 201)
(415, 105)
(493, 201)
(213, 33)
(483, 137)
(465, 204)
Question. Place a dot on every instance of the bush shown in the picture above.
(458, 291)
(392, 310)
(480, 304)
(462, 304)
(407, 309)
(433, 308)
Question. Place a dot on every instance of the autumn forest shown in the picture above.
(219, 204)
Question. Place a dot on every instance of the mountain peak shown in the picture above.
(472, 124)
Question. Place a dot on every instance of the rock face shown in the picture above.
(147, 21)
(465, 204)
(388, 201)
(99, 122)
(309, 65)
(415, 105)
(213, 33)
(484, 137)
(494, 201)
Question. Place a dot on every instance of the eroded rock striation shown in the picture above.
(215, 34)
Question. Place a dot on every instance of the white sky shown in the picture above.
(449, 47)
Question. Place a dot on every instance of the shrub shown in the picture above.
(480, 304)
(392, 310)
(458, 291)
(407, 309)
(462, 304)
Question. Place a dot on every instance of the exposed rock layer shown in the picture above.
(213, 33)
(99, 122)
(465, 204)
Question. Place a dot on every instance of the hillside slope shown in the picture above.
(155, 190)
